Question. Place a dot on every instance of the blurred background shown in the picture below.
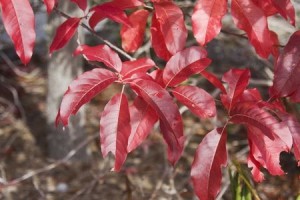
(41, 161)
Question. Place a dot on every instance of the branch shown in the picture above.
(114, 47)
(49, 167)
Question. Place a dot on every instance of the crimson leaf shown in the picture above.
(237, 80)
(64, 33)
(142, 118)
(82, 90)
(18, 20)
(107, 10)
(172, 26)
(50, 5)
(206, 19)
(100, 53)
(197, 100)
(206, 172)
(171, 123)
(141, 65)
(157, 37)
(82, 4)
(251, 115)
(251, 18)
(184, 64)
(133, 36)
(287, 70)
(266, 151)
(115, 129)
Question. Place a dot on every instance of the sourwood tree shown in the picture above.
(160, 90)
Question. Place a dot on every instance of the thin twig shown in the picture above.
(117, 49)
(51, 166)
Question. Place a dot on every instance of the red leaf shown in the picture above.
(251, 115)
(18, 20)
(206, 19)
(126, 4)
(64, 33)
(82, 4)
(50, 5)
(213, 80)
(172, 26)
(141, 65)
(250, 95)
(197, 100)
(267, 6)
(294, 127)
(275, 41)
(251, 18)
(100, 53)
(286, 9)
(237, 80)
(210, 156)
(157, 75)
(142, 118)
(82, 90)
(266, 151)
(287, 70)
(184, 64)
(115, 129)
(107, 10)
(257, 175)
(171, 124)
(133, 36)
(157, 37)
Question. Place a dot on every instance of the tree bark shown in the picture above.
(62, 69)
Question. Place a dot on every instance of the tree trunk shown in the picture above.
(62, 69)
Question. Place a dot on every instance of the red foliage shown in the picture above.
(270, 128)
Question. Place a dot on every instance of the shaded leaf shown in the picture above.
(157, 37)
(184, 64)
(267, 7)
(237, 80)
(286, 9)
(172, 25)
(82, 90)
(82, 4)
(294, 127)
(251, 18)
(64, 33)
(197, 100)
(126, 4)
(18, 20)
(141, 65)
(210, 156)
(142, 118)
(50, 5)
(107, 10)
(133, 36)
(206, 19)
(255, 166)
(100, 53)
(115, 129)
(287, 70)
(213, 80)
(171, 123)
